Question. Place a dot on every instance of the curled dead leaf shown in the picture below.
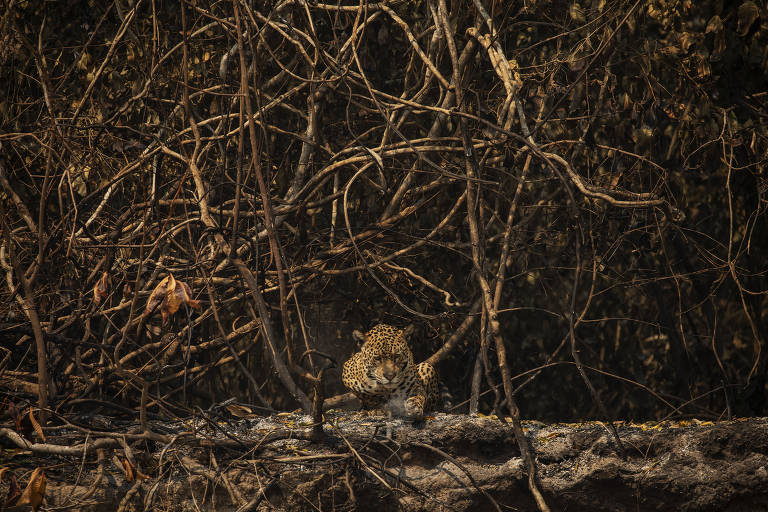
(184, 294)
(157, 296)
(34, 493)
(748, 13)
(131, 473)
(128, 468)
(170, 294)
(36, 425)
(714, 25)
(101, 288)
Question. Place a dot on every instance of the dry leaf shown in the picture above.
(172, 300)
(714, 25)
(615, 179)
(170, 294)
(131, 473)
(156, 297)
(240, 411)
(100, 288)
(687, 39)
(185, 293)
(14, 413)
(128, 468)
(36, 425)
(748, 13)
(35, 492)
(577, 13)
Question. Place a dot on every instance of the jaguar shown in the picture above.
(384, 377)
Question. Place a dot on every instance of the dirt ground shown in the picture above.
(449, 462)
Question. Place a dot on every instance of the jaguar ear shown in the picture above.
(359, 337)
(408, 331)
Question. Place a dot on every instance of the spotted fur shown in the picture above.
(382, 374)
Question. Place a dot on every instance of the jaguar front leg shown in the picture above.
(414, 404)
(422, 397)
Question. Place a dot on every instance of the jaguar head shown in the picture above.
(386, 354)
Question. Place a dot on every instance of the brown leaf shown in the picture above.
(615, 179)
(577, 13)
(170, 294)
(715, 25)
(35, 491)
(13, 411)
(687, 39)
(156, 297)
(128, 468)
(748, 13)
(100, 288)
(36, 425)
(172, 300)
(164, 312)
(131, 472)
(703, 68)
(240, 411)
(185, 292)
(23, 427)
(719, 47)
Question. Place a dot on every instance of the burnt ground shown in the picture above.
(375, 463)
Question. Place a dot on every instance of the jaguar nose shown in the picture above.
(388, 371)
